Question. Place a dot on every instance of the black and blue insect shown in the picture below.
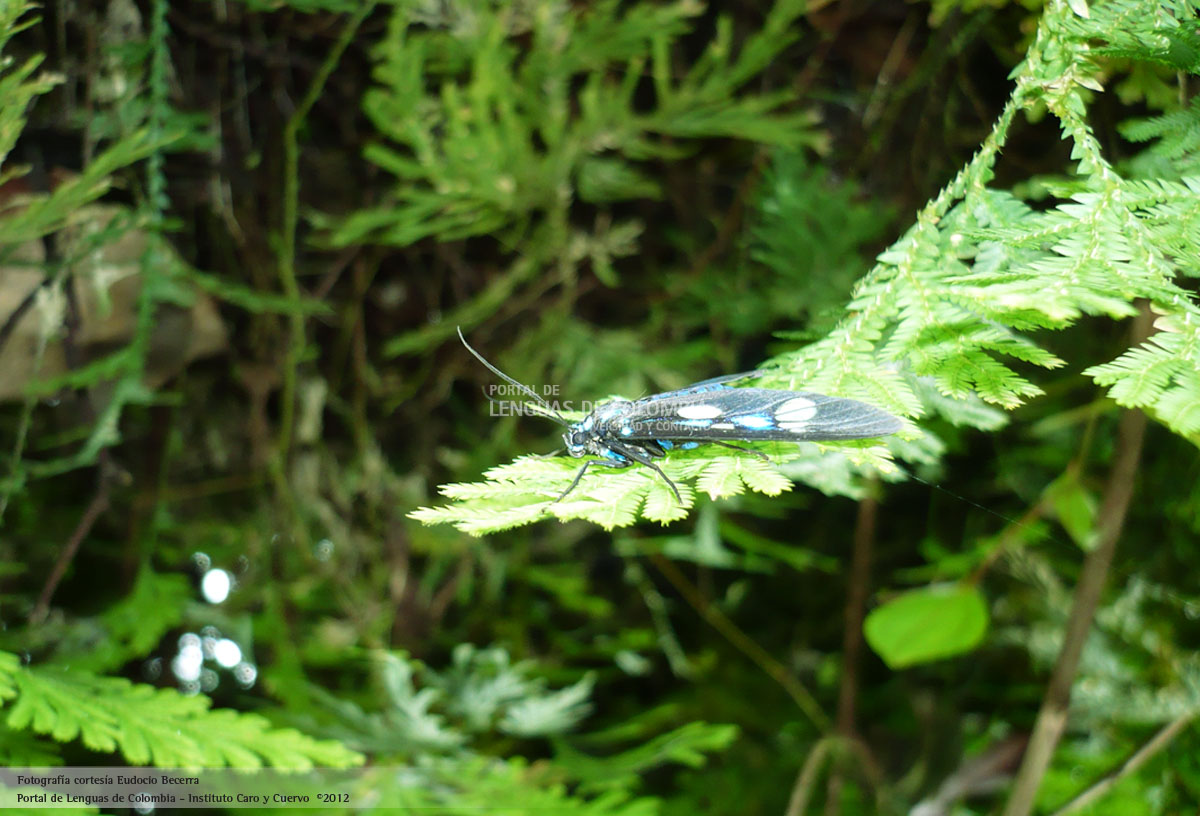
(621, 432)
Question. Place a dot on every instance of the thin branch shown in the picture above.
(887, 72)
(10, 323)
(26, 419)
(744, 643)
(87, 409)
(852, 638)
(668, 641)
(97, 506)
(806, 780)
(1136, 760)
(291, 220)
(1052, 718)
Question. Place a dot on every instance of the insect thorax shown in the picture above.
(587, 436)
(607, 413)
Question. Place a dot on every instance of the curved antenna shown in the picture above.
(525, 389)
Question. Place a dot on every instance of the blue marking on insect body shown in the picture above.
(667, 444)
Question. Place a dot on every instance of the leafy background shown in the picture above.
(238, 239)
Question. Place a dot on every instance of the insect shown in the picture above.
(621, 432)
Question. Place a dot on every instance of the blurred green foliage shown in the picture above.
(610, 198)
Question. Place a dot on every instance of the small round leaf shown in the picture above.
(927, 624)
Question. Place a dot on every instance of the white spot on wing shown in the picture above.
(753, 421)
(722, 426)
(701, 411)
(797, 410)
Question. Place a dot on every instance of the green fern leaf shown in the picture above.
(524, 491)
(761, 477)
(133, 626)
(1180, 406)
(662, 506)
(687, 745)
(614, 504)
(153, 726)
(721, 478)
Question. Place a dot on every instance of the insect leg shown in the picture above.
(644, 459)
(579, 474)
(759, 454)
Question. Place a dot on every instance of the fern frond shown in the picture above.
(1162, 374)
(686, 745)
(466, 786)
(129, 629)
(487, 690)
(525, 490)
(561, 120)
(1177, 140)
(43, 214)
(18, 84)
(153, 726)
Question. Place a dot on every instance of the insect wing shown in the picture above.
(750, 414)
(715, 384)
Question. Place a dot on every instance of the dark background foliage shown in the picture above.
(255, 227)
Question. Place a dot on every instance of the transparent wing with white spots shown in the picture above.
(718, 413)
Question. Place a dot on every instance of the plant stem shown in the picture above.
(1052, 718)
(291, 220)
(806, 780)
(95, 508)
(1139, 758)
(744, 643)
(852, 638)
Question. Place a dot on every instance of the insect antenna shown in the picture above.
(525, 389)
